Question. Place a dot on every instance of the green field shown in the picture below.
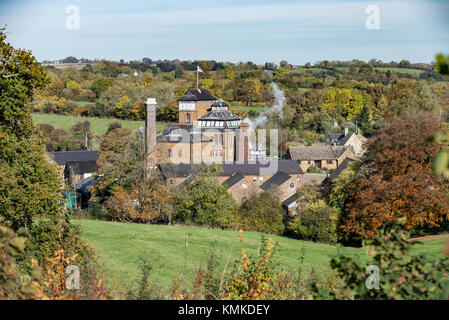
(303, 90)
(119, 245)
(413, 72)
(312, 70)
(99, 126)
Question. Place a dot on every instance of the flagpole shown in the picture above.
(197, 77)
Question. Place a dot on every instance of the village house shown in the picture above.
(75, 165)
(243, 180)
(322, 157)
(352, 140)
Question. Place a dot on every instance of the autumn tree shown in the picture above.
(345, 104)
(396, 179)
(126, 193)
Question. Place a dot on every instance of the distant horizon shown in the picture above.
(230, 30)
(234, 62)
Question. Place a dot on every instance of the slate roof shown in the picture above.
(81, 167)
(232, 180)
(181, 133)
(186, 181)
(61, 157)
(342, 141)
(275, 181)
(223, 115)
(171, 170)
(197, 95)
(290, 200)
(219, 104)
(336, 173)
(82, 186)
(316, 152)
(341, 138)
(334, 137)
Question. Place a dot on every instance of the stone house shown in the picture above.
(322, 157)
(352, 140)
(243, 180)
(75, 165)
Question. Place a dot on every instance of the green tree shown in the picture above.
(29, 183)
(205, 202)
(101, 85)
(262, 213)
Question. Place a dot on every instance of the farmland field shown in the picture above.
(312, 70)
(119, 246)
(400, 70)
(99, 126)
(413, 72)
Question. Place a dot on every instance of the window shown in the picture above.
(217, 153)
(218, 139)
(254, 179)
(171, 181)
(187, 117)
(330, 161)
(309, 162)
(169, 153)
(244, 199)
(292, 185)
(298, 178)
(261, 179)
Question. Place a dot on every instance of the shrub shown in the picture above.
(403, 275)
(255, 277)
(317, 222)
(11, 284)
(119, 206)
(262, 213)
(313, 169)
(205, 202)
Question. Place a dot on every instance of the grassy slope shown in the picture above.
(312, 70)
(99, 126)
(392, 70)
(120, 244)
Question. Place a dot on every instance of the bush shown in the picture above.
(11, 284)
(205, 202)
(318, 222)
(261, 213)
(403, 275)
(313, 169)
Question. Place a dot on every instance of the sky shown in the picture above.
(229, 30)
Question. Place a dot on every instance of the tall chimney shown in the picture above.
(243, 143)
(150, 133)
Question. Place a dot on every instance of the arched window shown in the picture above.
(187, 117)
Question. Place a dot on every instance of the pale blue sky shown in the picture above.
(259, 31)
